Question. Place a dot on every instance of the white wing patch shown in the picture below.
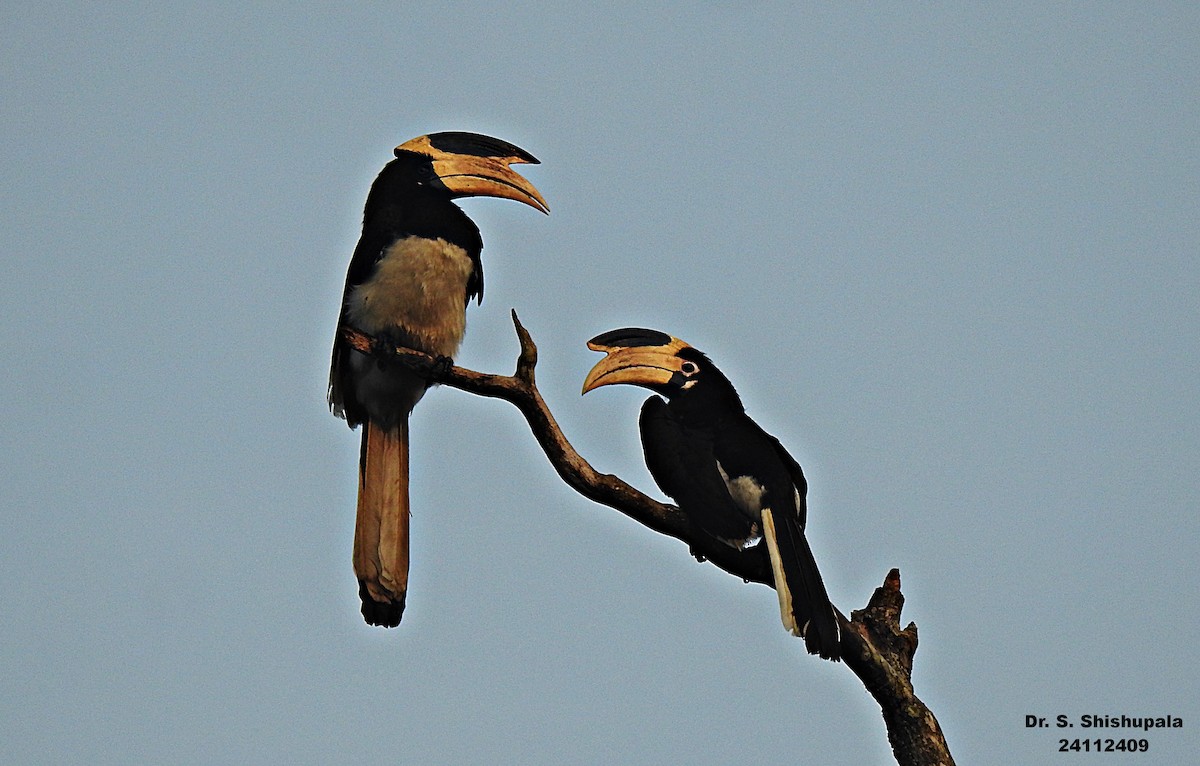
(747, 495)
(746, 492)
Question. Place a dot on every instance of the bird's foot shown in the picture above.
(383, 350)
(440, 368)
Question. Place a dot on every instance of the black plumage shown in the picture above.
(416, 267)
(732, 478)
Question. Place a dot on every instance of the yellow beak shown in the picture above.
(471, 165)
(636, 365)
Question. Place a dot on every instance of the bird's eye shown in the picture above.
(689, 368)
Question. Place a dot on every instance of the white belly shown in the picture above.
(417, 296)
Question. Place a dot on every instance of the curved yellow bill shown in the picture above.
(637, 365)
(473, 165)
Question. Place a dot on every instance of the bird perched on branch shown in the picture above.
(735, 481)
(415, 269)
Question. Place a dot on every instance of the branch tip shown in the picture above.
(891, 583)
(527, 360)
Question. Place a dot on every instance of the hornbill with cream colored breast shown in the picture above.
(732, 478)
(415, 269)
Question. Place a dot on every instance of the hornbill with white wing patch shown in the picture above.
(415, 269)
(732, 478)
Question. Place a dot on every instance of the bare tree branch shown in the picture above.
(881, 655)
(873, 645)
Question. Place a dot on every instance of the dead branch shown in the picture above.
(873, 645)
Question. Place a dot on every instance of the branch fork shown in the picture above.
(874, 646)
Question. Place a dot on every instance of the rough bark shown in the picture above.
(873, 645)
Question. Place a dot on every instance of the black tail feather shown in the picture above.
(812, 611)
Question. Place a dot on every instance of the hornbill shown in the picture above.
(728, 475)
(415, 269)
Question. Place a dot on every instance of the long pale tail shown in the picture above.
(381, 527)
(804, 605)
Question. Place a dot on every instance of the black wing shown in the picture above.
(340, 392)
(683, 465)
(796, 473)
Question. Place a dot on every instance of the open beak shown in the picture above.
(648, 358)
(474, 165)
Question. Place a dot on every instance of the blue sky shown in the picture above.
(948, 254)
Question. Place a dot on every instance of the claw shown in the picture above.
(441, 367)
(383, 350)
